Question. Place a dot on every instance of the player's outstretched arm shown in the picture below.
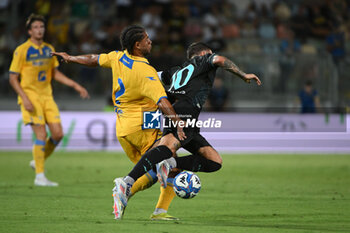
(14, 82)
(87, 60)
(60, 77)
(230, 66)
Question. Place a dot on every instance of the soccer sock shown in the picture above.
(172, 162)
(40, 175)
(165, 198)
(144, 182)
(39, 155)
(197, 163)
(50, 145)
(150, 159)
(159, 211)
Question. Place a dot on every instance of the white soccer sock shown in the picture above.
(172, 162)
(40, 175)
(159, 211)
(129, 180)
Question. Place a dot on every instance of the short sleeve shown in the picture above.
(55, 62)
(17, 61)
(105, 60)
(211, 58)
(165, 77)
(151, 85)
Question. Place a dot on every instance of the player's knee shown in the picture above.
(218, 166)
(215, 156)
(165, 150)
(211, 154)
(41, 135)
(170, 142)
(218, 159)
(212, 166)
(57, 136)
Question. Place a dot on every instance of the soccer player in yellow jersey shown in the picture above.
(31, 71)
(136, 89)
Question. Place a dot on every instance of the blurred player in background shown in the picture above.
(136, 89)
(31, 71)
(308, 99)
(190, 85)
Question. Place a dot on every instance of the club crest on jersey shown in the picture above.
(151, 78)
(151, 120)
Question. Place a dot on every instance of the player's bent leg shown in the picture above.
(171, 142)
(154, 156)
(39, 157)
(205, 160)
(56, 131)
(38, 147)
(132, 145)
(164, 167)
(210, 153)
(144, 182)
(165, 198)
(56, 136)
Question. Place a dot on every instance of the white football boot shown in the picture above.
(163, 169)
(121, 193)
(43, 181)
(32, 164)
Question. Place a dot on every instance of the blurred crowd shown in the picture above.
(89, 26)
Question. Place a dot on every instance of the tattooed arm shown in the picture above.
(87, 60)
(230, 66)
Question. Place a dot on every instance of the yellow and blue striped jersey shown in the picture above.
(35, 66)
(136, 88)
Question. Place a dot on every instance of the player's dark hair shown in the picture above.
(130, 35)
(308, 83)
(32, 18)
(196, 48)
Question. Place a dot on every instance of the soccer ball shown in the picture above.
(187, 185)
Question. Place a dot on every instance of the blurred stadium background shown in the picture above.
(285, 43)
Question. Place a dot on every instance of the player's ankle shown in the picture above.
(159, 211)
(40, 175)
(129, 180)
(172, 162)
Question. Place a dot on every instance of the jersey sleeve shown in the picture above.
(165, 77)
(105, 59)
(17, 61)
(168, 74)
(55, 63)
(211, 58)
(152, 86)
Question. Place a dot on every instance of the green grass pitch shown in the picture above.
(251, 193)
